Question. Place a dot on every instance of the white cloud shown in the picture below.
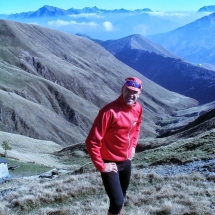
(108, 26)
(168, 14)
(59, 23)
(87, 15)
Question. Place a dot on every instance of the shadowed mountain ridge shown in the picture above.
(164, 68)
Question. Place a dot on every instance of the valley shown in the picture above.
(52, 85)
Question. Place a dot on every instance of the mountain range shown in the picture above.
(163, 67)
(52, 84)
(104, 24)
(194, 42)
(190, 38)
(50, 11)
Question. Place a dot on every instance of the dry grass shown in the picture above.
(31, 150)
(148, 194)
(182, 194)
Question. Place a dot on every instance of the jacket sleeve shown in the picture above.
(136, 135)
(94, 139)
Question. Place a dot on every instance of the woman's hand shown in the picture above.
(132, 153)
(111, 167)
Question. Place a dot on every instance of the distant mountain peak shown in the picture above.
(135, 41)
(164, 67)
(91, 7)
(48, 11)
(51, 8)
(47, 6)
(144, 10)
(210, 8)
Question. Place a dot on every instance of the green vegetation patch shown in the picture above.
(181, 151)
(168, 121)
(22, 169)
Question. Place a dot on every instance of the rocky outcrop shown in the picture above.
(4, 174)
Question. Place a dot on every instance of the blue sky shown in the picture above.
(17, 6)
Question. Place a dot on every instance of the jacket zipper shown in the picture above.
(129, 133)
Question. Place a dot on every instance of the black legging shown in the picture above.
(116, 185)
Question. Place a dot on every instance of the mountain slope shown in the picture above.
(183, 120)
(52, 84)
(203, 123)
(164, 68)
(210, 8)
(194, 42)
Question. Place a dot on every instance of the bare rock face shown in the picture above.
(4, 174)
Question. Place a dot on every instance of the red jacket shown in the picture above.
(114, 132)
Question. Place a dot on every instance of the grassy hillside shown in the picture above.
(150, 191)
(52, 85)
